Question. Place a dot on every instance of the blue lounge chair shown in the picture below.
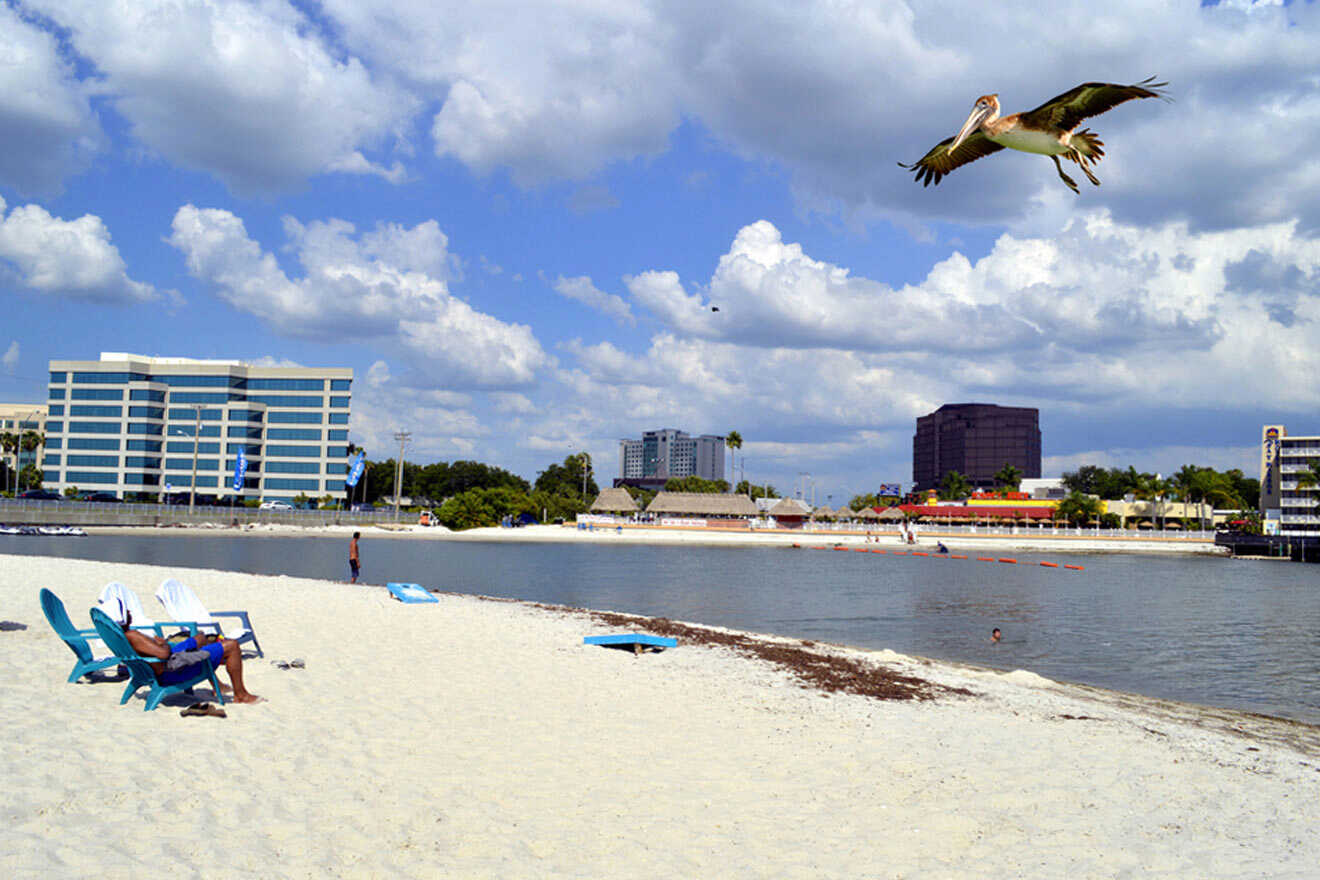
(142, 675)
(410, 593)
(75, 638)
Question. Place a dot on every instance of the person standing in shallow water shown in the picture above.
(995, 635)
(354, 561)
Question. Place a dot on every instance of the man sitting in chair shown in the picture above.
(191, 650)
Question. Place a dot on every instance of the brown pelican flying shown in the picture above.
(1047, 130)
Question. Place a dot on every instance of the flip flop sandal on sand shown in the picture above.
(204, 709)
(280, 663)
(298, 663)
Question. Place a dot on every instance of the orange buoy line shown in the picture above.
(1075, 567)
(1050, 564)
(1006, 559)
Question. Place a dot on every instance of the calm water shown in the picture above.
(1232, 633)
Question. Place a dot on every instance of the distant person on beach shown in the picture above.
(354, 561)
(995, 634)
(192, 650)
(940, 548)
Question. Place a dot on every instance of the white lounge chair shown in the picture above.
(182, 603)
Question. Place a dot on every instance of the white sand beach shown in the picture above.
(478, 738)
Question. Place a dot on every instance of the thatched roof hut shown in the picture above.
(867, 513)
(824, 512)
(890, 514)
(788, 508)
(702, 504)
(615, 500)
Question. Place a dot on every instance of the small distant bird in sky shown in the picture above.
(1049, 130)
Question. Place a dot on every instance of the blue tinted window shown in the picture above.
(252, 467)
(336, 468)
(55, 409)
(293, 467)
(250, 431)
(338, 402)
(336, 434)
(190, 415)
(145, 412)
(304, 418)
(143, 428)
(58, 377)
(293, 434)
(248, 448)
(198, 382)
(93, 461)
(185, 480)
(299, 451)
(339, 418)
(246, 415)
(340, 384)
(334, 485)
(141, 445)
(287, 484)
(146, 394)
(96, 394)
(176, 446)
(141, 461)
(92, 443)
(76, 477)
(142, 479)
(54, 427)
(186, 430)
(50, 460)
(56, 393)
(54, 442)
(333, 451)
(285, 385)
(91, 427)
(186, 464)
(104, 412)
(287, 400)
(107, 378)
(198, 397)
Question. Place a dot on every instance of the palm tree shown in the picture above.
(1078, 507)
(9, 443)
(1009, 477)
(1310, 478)
(733, 440)
(31, 441)
(954, 486)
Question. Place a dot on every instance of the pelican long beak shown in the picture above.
(974, 121)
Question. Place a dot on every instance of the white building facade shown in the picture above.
(147, 425)
(669, 453)
(1283, 461)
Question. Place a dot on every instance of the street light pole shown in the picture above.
(403, 437)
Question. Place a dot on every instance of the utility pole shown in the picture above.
(403, 437)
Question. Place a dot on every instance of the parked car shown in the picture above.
(362, 508)
(276, 505)
(39, 495)
(98, 496)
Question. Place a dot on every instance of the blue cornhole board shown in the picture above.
(410, 593)
(634, 639)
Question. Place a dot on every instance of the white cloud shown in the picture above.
(47, 130)
(250, 92)
(389, 283)
(68, 258)
(580, 289)
(10, 359)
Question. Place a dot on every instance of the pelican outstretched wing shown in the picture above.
(932, 167)
(1066, 111)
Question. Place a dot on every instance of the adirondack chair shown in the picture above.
(75, 638)
(142, 675)
(182, 603)
(115, 592)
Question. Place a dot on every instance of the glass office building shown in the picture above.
(134, 424)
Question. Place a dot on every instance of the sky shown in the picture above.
(516, 221)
